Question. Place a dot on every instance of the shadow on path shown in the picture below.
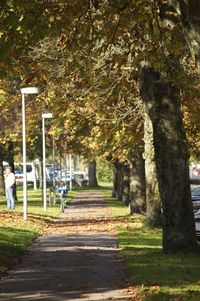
(69, 266)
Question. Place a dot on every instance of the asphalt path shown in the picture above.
(80, 260)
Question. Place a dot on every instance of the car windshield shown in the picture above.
(19, 168)
(196, 191)
(29, 168)
(79, 177)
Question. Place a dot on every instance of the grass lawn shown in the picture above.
(155, 276)
(15, 234)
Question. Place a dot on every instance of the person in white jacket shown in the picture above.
(9, 184)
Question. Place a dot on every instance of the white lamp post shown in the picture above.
(24, 91)
(54, 180)
(70, 172)
(44, 116)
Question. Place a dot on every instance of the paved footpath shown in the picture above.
(79, 261)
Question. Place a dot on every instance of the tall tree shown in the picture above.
(92, 174)
(116, 36)
(2, 186)
(153, 203)
(189, 11)
(171, 155)
(11, 162)
(137, 196)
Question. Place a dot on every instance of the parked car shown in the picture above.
(79, 178)
(196, 198)
(196, 206)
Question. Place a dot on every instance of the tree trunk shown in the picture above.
(92, 174)
(126, 184)
(11, 163)
(115, 180)
(2, 185)
(171, 155)
(190, 16)
(120, 174)
(137, 184)
(118, 180)
(40, 174)
(153, 204)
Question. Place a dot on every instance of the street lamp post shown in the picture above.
(24, 91)
(44, 116)
(54, 180)
(70, 171)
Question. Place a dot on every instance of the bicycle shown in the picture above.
(63, 191)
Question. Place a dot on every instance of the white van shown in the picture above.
(31, 172)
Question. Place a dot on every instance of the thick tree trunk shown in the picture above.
(153, 204)
(2, 185)
(92, 174)
(137, 184)
(11, 163)
(126, 184)
(171, 154)
(189, 11)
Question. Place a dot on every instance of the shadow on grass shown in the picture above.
(114, 202)
(13, 242)
(185, 296)
(160, 275)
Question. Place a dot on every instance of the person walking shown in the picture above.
(9, 184)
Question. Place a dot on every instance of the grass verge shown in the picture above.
(154, 276)
(15, 234)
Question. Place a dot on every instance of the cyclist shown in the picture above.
(63, 191)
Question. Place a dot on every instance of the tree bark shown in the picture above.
(126, 184)
(115, 180)
(2, 184)
(11, 163)
(137, 184)
(92, 174)
(40, 174)
(118, 180)
(120, 174)
(162, 104)
(189, 11)
(153, 205)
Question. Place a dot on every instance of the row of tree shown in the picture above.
(117, 76)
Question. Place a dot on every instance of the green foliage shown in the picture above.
(104, 171)
(86, 55)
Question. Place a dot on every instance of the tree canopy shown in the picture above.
(88, 56)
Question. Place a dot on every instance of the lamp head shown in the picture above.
(47, 115)
(30, 90)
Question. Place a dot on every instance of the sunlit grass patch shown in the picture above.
(16, 234)
(156, 277)
(13, 241)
